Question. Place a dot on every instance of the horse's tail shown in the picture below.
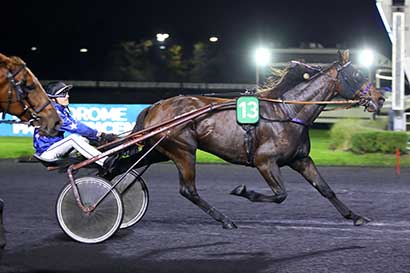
(123, 163)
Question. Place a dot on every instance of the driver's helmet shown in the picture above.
(57, 89)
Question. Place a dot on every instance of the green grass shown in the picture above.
(323, 156)
(14, 147)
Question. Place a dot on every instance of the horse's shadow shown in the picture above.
(66, 257)
(311, 254)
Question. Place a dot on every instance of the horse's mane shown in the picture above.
(17, 60)
(14, 60)
(285, 79)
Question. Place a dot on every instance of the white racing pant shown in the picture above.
(62, 147)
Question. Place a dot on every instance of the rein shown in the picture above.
(29, 123)
(349, 103)
(310, 102)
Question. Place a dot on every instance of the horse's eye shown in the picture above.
(30, 87)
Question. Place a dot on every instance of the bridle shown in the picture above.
(352, 82)
(22, 91)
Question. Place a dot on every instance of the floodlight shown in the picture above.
(33, 48)
(366, 57)
(213, 39)
(262, 56)
(83, 50)
(161, 37)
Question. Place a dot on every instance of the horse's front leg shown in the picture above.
(185, 163)
(271, 172)
(306, 167)
(2, 236)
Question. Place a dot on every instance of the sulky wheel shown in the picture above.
(96, 226)
(134, 194)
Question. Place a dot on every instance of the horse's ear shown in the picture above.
(344, 56)
(4, 58)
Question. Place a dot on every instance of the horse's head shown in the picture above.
(353, 85)
(21, 94)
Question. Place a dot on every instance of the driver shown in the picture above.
(53, 148)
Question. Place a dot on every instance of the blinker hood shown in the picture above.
(351, 80)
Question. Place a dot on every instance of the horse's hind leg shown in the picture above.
(185, 163)
(271, 172)
(2, 237)
(307, 168)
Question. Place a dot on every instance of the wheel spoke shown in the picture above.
(96, 226)
(134, 194)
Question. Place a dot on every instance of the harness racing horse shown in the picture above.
(279, 139)
(22, 95)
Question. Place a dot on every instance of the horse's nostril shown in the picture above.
(57, 125)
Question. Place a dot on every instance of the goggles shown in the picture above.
(61, 95)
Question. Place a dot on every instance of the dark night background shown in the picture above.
(59, 28)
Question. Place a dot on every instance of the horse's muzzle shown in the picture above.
(50, 127)
(373, 106)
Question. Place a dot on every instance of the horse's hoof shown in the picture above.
(360, 220)
(229, 225)
(240, 190)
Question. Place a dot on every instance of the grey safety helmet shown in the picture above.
(57, 89)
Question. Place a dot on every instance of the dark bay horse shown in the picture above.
(279, 139)
(22, 95)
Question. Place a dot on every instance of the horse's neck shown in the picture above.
(8, 105)
(319, 89)
(296, 73)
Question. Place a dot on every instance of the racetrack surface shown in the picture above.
(303, 234)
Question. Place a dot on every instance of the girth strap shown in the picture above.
(250, 134)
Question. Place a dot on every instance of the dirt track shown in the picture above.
(303, 234)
